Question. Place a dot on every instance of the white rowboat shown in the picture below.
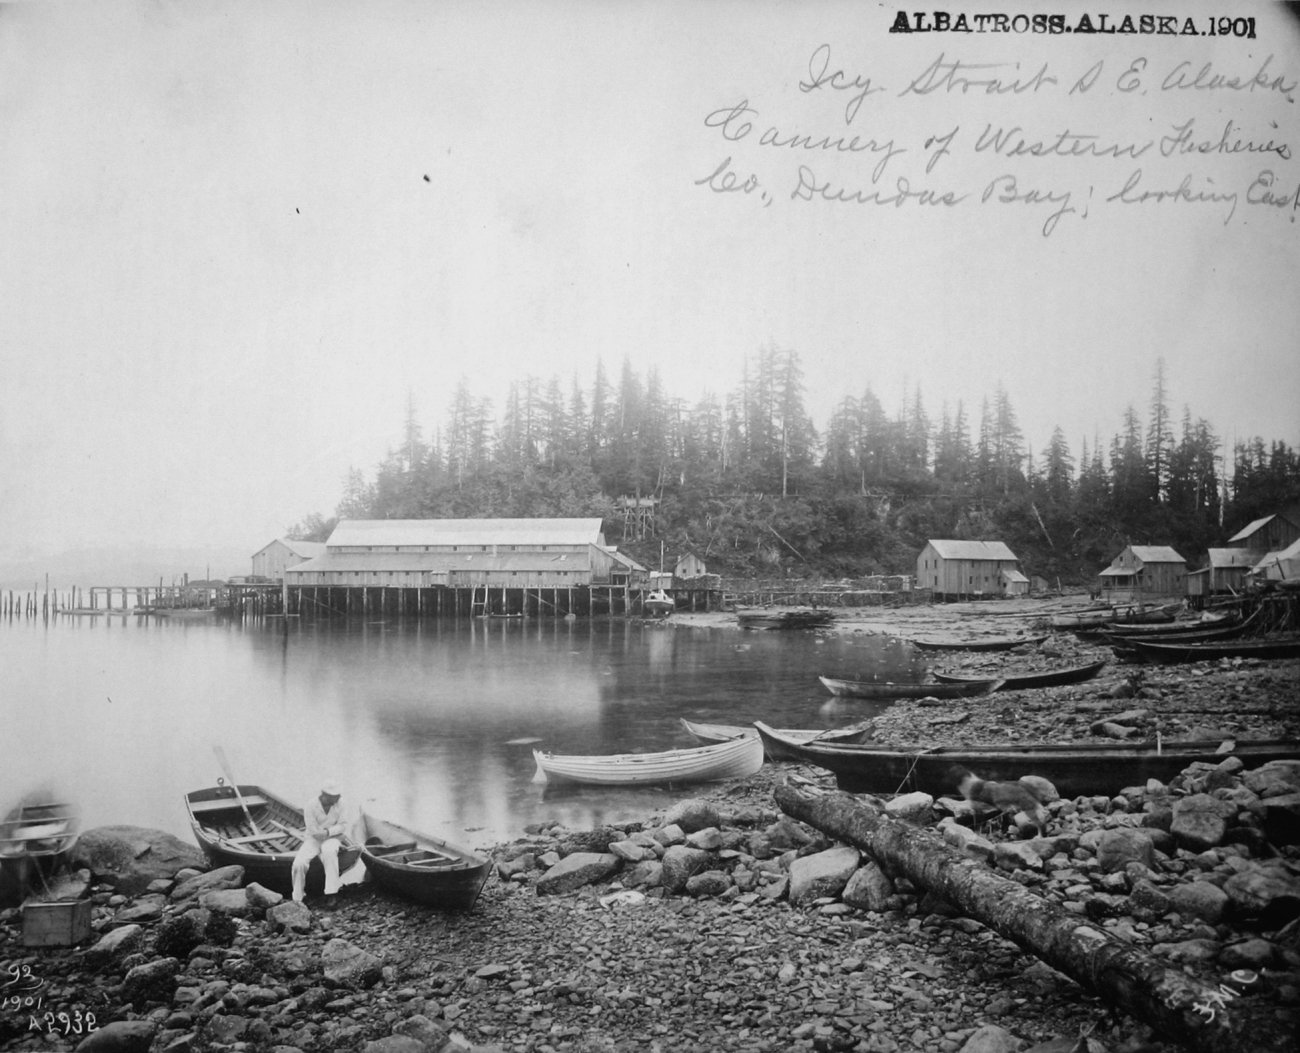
(724, 732)
(732, 759)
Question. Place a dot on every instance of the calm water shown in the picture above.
(419, 720)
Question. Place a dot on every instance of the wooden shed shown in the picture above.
(690, 566)
(958, 569)
(1144, 572)
(1269, 534)
(271, 561)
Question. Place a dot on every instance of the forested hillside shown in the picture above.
(750, 484)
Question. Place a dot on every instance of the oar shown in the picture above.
(225, 767)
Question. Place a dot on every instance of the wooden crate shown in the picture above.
(58, 924)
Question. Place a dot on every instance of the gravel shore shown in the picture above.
(741, 961)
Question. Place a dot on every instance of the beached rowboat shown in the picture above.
(1206, 651)
(1001, 643)
(1075, 770)
(223, 831)
(1017, 681)
(884, 689)
(725, 732)
(421, 867)
(732, 759)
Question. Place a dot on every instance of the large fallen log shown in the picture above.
(1179, 1007)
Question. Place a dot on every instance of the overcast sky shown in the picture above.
(236, 235)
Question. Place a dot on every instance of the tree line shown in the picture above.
(748, 483)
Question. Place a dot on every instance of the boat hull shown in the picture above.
(218, 822)
(869, 689)
(733, 759)
(1055, 678)
(420, 867)
(725, 732)
(1075, 771)
(790, 618)
(1199, 651)
(1005, 643)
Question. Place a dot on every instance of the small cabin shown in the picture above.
(271, 561)
(690, 566)
(1144, 572)
(1269, 534)
(960, 569)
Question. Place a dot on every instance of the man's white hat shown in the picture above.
(332, 788)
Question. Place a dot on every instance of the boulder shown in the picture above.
(823, 873)
(1117, 848)
(1273, 779)
(870, 888)
(423, 1030)
(348, 965)
(911, 807)
(1145, 896)
(288, 916)
(1017, 855)
(709, 839)
(1189, 951)
(1280, 816)
(1199, 899)
(630, 851)
(130, 857)
(1200, 821)
(151, 981)
(693, 814)
(114, 943)
(144, 911)
(121, 1036)
(1253, 953)
(576, 870)
(708, 883)
(647, 874)
(596, 840)
(1041, 788)
(678, 864)
(992, 1039)
(232, 901)
(222, 877)
(262, 899)
(396, 1044)
(1270, 894)
(967, 840)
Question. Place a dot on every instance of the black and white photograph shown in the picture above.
(558, 526)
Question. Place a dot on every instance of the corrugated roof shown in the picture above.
(1231, 557)
(972, 550)
(442, 562)
(1156, 554)
(466, 532)
(1249, 529)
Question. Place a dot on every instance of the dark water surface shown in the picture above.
(421, 721)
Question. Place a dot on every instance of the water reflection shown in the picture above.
(430, 723)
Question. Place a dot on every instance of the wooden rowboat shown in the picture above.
(1017, 682)
(35, 839)
(223, 832)
(732, 759)
(1075, 770)
(874, 689)
(1003, 643)
(784, 618)
(420, 867)
(1213, 650)
(725, 732)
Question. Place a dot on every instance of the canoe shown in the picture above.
(732, 759)
(1095, 619)
(784, 618)
(1208, 651)
(872, 689)
(266, 854)
(1206, 624)
(1075, 770)
(1004, 643)
(1018, 681)
(725, 732)
(421, 867)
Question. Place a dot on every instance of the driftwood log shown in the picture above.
(1179, 1007)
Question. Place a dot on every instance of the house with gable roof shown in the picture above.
(959, 569)
(1145, 572)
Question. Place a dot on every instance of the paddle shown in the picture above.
(225, 767)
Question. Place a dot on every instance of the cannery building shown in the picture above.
(960, 569)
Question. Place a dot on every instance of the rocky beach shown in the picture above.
(724, 922)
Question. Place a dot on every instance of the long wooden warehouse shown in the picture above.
(961, 569)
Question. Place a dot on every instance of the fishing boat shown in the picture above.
(1002, 643)
(1090, 619)
(725, 732)
(884, 689)
(1018, 681)
(35, 838)
(420, 867)
(1210, 650)
(253, 828)
(1075, 770)
(659, 604)
(1096, 618)
(1205, 624)
(784, 618)
(732, 759)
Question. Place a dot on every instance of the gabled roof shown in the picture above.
(1249, 529)
(443, 562)
(627, 561)
(994, 550)
(1156, 554)
(364, 532)
(1015, 576)
(1282, 557)
(306, 549)
(1221, 558)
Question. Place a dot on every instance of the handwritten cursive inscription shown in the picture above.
(1011, 142)
(810, 188)
(1006, 189)
(1181, 78)
(952, 76)
(1130, 194)
(1181, 142)
(818, 77)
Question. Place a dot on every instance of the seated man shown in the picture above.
(325, 830)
